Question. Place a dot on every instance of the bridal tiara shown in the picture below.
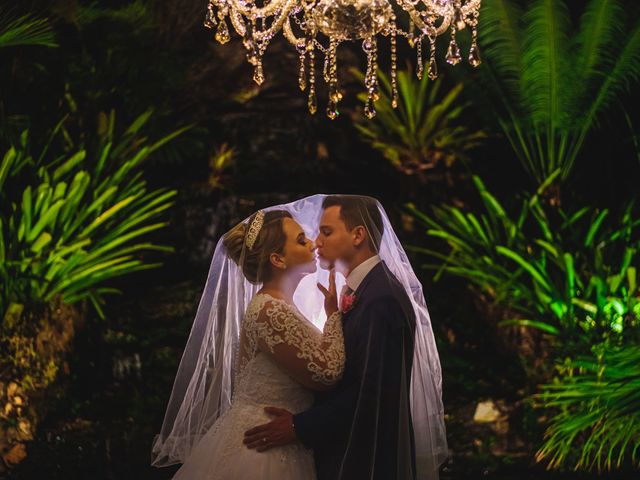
(254, 229)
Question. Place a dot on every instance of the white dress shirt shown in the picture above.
(355, 278)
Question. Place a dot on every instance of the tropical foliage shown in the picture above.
(569, 273)
(596, 421)
(572, 275)
(425, 130)
(25, 30)
(71, 221)
(548, 82)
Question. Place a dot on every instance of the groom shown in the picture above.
(363, 428)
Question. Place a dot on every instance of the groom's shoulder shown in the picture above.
(384, 286)
(386, 279)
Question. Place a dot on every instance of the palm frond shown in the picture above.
(501, 42)
(625, 72)
(595, 425)
(547, 84)
(544, 54)
(600, 28)
(25, 30)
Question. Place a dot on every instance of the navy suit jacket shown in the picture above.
(362, 429)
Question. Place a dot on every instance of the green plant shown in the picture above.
(572, 276)
(219, 164)
(549, 84)
(71, 222)
(25, 30)
(595, 421)
(424, 131)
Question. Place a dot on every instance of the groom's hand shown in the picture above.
(277, 432)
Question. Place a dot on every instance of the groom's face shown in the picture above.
(335, 241)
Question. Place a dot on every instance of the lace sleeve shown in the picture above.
(313, 358)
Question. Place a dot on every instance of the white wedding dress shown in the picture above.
(277, 345)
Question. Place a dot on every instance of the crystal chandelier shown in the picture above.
(316, 28)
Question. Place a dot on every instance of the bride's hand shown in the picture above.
(330, 295)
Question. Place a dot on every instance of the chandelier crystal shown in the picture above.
(317, 27)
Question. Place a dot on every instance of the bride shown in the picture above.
(267, 334)
(282, 356)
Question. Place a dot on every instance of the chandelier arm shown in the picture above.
(290, 36)
(415, 16)
(444, 26)
(428, 29)
(266, 35)
(255, 12)
(238, 22)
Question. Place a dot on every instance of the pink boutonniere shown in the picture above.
(347, 302)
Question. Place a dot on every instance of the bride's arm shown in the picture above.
(313, 358)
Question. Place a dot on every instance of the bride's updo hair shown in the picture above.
(271, 239)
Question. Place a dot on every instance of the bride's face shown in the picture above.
(299, 251)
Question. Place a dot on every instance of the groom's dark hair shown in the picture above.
(358, 210)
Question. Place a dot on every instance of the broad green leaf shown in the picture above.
(69, 165)
(105, 216)
(41, 242)
(45, 220)
(5, 166)
(545, 327)
(535, 274)
(588, 306)
(595, 226)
